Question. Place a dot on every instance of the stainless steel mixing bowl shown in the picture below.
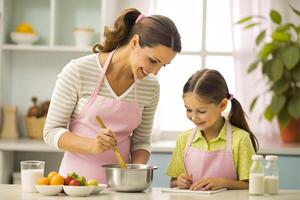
(134, 178)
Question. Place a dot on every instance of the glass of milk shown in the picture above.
(31, 170)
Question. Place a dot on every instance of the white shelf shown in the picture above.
(12, 47)
(25, 145)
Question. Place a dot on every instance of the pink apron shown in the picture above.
(210, 164)
(119, 116)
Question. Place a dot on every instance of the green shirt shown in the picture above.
(242, 150)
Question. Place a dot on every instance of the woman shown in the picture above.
(117, 84)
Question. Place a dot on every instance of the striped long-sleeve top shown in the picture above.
(74, 87)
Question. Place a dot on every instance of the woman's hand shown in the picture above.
(105, 140)
(209, 184)
(184, 181)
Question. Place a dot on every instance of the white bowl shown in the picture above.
(78, 191)
(99, 188)
(24, 38)
(49, 190)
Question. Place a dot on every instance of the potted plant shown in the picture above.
(278, 57)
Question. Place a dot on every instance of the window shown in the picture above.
(206, 42)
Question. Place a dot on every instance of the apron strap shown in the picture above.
(101, 77)
(135, 93)
(190, 140)
(187, 147)
(94, 95)
(228, 136)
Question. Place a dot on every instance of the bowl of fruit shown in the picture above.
(77, 186)
(50, 185)
(24, 35)
(73, 185)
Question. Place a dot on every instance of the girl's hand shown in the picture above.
(184, 181)
(105, 140)
(209, 184)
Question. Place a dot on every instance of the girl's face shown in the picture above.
(145, 61)
(202, 113)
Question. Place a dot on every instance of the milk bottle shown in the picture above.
(271, 175)
(256, 179)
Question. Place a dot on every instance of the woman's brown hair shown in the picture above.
(210, 85)
(152, 30)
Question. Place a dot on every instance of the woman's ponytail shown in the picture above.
(152, 30)
(117, 35)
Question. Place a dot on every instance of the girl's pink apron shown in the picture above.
(210, 164)
(119, 116)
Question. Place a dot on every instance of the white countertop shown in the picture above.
(13, 192)
(267, 146)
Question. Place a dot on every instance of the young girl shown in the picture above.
(217, 153)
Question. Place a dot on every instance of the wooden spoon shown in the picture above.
(116, 150)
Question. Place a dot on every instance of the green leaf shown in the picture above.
(283, 27)
(295, 10)
(266, 66)
(290, 57)
(277, 69)
(253, 102)
(266, 50)
(280, 86)
(260, 37)
(251, 25)
(275, 16)
(252, 67)
(294, 107)
(245, 19)
(296, 73)
(283, 118)
(268, 71)
(298, 29)
(288, 74)
(277, 103)
(268, 114)
(281, 36)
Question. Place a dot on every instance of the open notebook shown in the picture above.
(177, 190)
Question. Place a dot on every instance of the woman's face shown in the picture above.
(203, 114)
(149, 60)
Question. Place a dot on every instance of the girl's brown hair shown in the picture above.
(152, 30)
(210, 85)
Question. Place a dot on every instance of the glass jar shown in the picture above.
(271, 175)
(256, 177)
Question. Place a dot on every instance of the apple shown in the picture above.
(68, 180)
(74, 182)
(92, 182)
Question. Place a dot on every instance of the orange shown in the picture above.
(57, 180)
(51, 174)
(24, 28)
(43, 181)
